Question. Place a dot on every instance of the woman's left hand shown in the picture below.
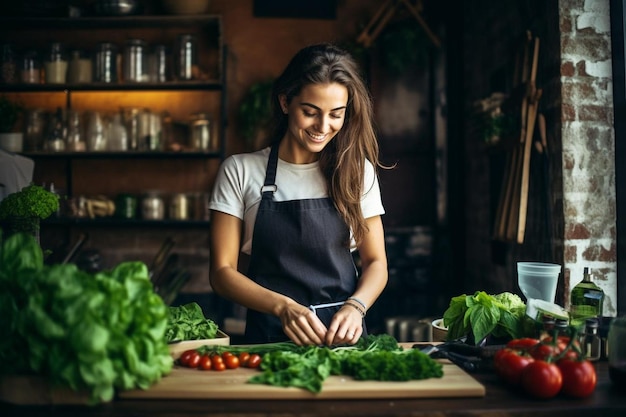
(345, 327)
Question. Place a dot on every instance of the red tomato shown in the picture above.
(217, 363)
(205, 362)
(254, 361)
(231, 362)
(509, 364)
(244, 357)
(185, 356)
(194, 359)
(523, 343)
(543, 351)
(579, 377)
(542, 379)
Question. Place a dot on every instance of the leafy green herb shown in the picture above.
(187, 322)
(375, 357)
(30, 201)
(97, 332)
(482, 314)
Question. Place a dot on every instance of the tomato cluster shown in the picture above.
(547, 367)
(218, 361)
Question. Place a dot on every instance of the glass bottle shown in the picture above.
(586, 299)
(34, 130)
(75, 136)
(592, 343)
(617, 351)
(105, 63)
(57, 133)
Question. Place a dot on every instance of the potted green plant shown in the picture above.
(255, 112)
(22, 212)
(10, 112)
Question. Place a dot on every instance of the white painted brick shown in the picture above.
(600, 23)
(601, 69)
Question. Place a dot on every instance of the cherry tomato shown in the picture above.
(226, 354)
(217, 363)
(185, 356)
(542, 379)
(509, 364)
(231, 362)
(579, 377)
(254, 361)
(205, 362)
(194, 359)
(523, 343)
(244, 357)
(543, 351)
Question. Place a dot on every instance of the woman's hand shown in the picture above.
(346, 326)
(302, 325)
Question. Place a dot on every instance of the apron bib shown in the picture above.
(299, 249)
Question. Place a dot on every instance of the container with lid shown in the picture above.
(56, 64)
(80, 68)
(202, 138)
(30, 68)
(135, 61)
(105, 63)
(152, 206)
(186, 58)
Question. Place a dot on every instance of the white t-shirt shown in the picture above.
(237, 189)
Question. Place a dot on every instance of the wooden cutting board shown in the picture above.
(184, 383)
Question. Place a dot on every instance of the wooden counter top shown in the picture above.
(499, 401)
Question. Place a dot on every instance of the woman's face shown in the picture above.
(315, 116)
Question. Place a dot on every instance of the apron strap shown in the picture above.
(269, 186)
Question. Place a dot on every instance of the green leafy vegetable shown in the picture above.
(30, 201)
(97, 332)
(375, 357)
(187, 322)
(482, 314)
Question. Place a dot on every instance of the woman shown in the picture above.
(299, 206)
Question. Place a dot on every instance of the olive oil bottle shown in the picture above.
(586, 299)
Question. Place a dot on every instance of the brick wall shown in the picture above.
(575, 75)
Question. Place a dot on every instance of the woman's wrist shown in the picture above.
(355, 306)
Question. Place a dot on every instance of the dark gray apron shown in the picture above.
(300, 248)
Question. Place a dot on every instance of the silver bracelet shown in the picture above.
(358, 301)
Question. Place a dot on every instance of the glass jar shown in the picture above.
(105, 63)
(55, 64)
(201, 137)
(75, 136)
(186, 61)
(135, 61)
(8, 75)
(157, 64)
(34, 130)
(79, 68)
(617, 351)
(30, 70)
(152, 206)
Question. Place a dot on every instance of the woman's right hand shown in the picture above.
(302, 325)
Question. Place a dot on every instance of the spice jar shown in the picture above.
(105, 63)
(179, 207)
(186, 61)
(8, 73)
(135, 61)
(30, 70)
(55, 64)
(79, 68)
(152, 207)
(201, 137)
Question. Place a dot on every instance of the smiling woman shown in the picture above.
(299, 208)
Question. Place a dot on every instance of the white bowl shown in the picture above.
(440, 332)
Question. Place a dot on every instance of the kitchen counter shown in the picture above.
(499, 401)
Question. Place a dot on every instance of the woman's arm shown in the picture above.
(299, 323)
(348, 320)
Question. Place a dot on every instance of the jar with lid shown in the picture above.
(201, 137)
(135, 61)
(617, 352)
(9, 64)
(158, 64)
(179, 207)
(80, 70)
(55, 64)
(152, 206)
(34, 130)
(57, 133)
(30, 70)
(75, 136)
(105, 63)
(186, 61)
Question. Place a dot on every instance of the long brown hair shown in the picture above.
(342, 161)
